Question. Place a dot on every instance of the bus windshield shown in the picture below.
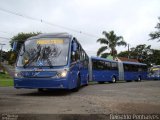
(44, 52)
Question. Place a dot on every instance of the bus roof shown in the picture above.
(104, 59)
(136, 63)
(50, 35)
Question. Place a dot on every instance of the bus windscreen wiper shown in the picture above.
(42, 54)
(33, 58)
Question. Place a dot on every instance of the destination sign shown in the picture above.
(53, 41)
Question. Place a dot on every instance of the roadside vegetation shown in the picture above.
(5, 78)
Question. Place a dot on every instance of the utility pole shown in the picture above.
(1, 51)
(128, 52)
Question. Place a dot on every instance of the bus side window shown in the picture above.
(133, 68)
(136, 68)
(114, 66)
(126, 68)
(75, 52)
(140, 68)
(94, 65)
(100, 65)
(73, 58)
(107, 65)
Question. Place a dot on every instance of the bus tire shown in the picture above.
(128, 80)
(113, 80)
(100, 82)
(139, 79)
(76, 89)
(41, 90)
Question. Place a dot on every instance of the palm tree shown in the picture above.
(110, 42)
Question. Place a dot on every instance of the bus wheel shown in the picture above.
(41, 90)
(139, 79)
(78, 85)
(113, 80)
(128, 80)
(101, 82)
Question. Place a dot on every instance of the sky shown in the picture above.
(132, 19)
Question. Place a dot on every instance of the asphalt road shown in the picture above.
(122, 98)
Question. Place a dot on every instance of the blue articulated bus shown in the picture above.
(129, 71)
(51, 61)
(103, 70)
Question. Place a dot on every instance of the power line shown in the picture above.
(5, 32)
(5, 38)
(49, 23)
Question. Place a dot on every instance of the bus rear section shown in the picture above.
(103, 70)
(51, 61)
(129, 71)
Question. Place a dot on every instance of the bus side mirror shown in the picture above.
(74, 47)
(14, 47)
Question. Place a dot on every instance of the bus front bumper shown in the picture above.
(35, 83)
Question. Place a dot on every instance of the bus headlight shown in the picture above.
(62, 73)
(18, 74)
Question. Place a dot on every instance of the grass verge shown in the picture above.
(5, 80)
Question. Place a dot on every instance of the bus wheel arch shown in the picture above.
(78, 83)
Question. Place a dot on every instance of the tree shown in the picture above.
(143, 53)
(156, 34)
(20, 38)
(123, 54)
(110, 42)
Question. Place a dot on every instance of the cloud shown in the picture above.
(133, 20)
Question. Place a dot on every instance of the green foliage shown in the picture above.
(2, 70)
(5, 80)
(5, 76)
(21, 38)
(6, 83)
(9, 56)
(123, 54)
(156, 34)
(105, 55)
(12, 58)
(143, 53)
(110, 42)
